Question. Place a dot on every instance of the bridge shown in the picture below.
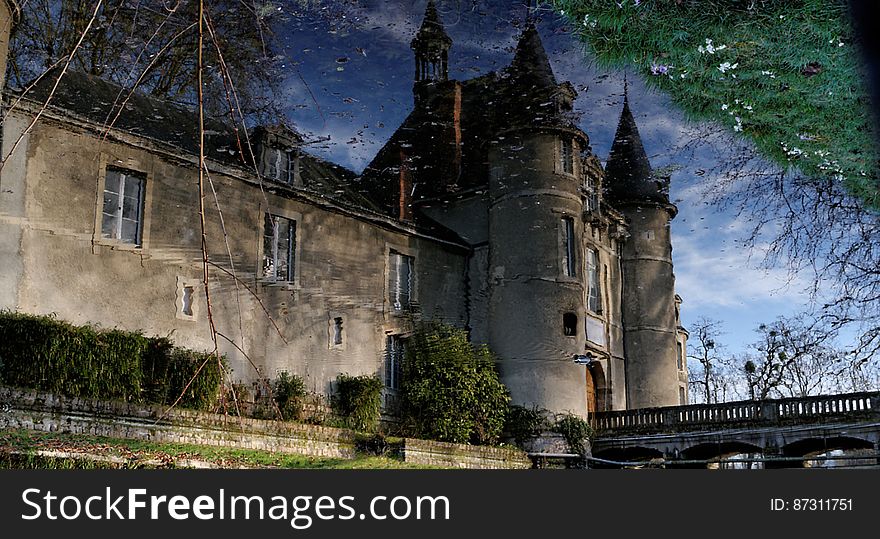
(774, 433)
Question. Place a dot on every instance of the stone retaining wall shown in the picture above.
(35, 410)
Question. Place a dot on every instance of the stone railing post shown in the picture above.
(769, 412)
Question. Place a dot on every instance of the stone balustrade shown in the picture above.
(740, 413)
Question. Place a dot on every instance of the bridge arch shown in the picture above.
(712, 450)
(815, 446)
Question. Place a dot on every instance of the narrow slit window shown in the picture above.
(594, 298)
(337, 330)
(187, 300)
(569, 324)
(569, 262)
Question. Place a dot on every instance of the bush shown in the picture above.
(525, 423)
(358, 401)
(44, 353)
(289, 392)
(450, 389)
(575, 430)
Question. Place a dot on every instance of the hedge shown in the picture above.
(42, 352)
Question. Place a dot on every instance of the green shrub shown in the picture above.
(289, 392)
(44, 353)
(450, 389)
(575, 430)
(524, 423)
(358, 401)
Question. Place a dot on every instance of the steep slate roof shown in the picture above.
(432, 29)
(525, 94)
(531, 66)
(628, 174)
(92, 98)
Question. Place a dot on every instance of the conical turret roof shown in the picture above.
(432, 31)
(530, 61)
(628, 174)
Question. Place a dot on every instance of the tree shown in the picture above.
(810, 197)
(153, 45)
(450, 389)
(709, 375)
(794, 357)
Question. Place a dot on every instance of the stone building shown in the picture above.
(486, 209)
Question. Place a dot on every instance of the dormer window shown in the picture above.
(281, 164)
(279, 153)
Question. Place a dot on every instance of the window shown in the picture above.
(568, 255)
(122, 215)
(594, 298)
(681, 397)
(569, 324)
(280, 164)
(566, 156)
(337, 330)
(680, 356)
(591, 192)
(394, 353)
(187, 301)
(400, 280)
(279, 246)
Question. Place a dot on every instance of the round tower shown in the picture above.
(536, 274)
(649, 306)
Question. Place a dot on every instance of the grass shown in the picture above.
(786, 75)
(19, 449)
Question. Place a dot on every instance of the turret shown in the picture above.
(649, 306)
(431, 47)
(536, 275)
(9, 14)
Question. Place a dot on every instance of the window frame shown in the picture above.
(393, 364)
(566, 151)
(593, 269)
(393, 294)
(569, 252)
(293, 243)
(273, 159)
(119, 211)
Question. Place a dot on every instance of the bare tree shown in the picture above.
(709, 375)
(152, 43)
(795, 357)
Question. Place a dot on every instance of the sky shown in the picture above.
(349, 86)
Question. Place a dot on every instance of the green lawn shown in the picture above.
(18, 449)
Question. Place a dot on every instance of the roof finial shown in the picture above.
(625, 90)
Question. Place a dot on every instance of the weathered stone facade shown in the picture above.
(486, 210)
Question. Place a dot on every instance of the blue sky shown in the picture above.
(357, 68)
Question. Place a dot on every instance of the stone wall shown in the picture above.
(53, 258)
(433, 453)
(34, 410)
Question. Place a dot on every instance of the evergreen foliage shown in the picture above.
(450, 390)
(44, 353)
(786, 75)
(358, 401)
(289, 392)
